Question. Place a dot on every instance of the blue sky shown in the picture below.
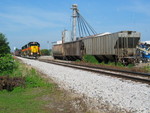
(23, 21)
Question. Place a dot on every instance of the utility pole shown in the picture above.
(74, 15)
(48, 45)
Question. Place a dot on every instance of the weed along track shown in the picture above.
(9, 83)
(98, 91)
(136, 76)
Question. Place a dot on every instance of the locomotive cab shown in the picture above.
(32, 49)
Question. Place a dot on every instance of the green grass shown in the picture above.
(90, 59)
(147, 68)
(26, 99)
(118, 65)
(38, 95)
(93, 60)
(23, 101)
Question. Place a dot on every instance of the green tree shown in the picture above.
(45, 52)
(4, 45)
(7, 64)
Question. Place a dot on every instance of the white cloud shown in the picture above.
(21, 18)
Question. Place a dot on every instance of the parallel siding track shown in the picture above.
(136, 76)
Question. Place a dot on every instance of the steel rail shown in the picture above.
(136, 76)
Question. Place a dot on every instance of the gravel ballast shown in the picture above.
(115, 93)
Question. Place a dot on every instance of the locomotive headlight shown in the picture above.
(31, 53)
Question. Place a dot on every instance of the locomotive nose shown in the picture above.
(34, 49)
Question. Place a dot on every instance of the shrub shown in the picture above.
(45, 52)
(9, 83)
(7, 64)
(90, 59)
(130, 65)
(4, 45)
(78, 60)
(119, 64)
(111, 63)
(103, 63)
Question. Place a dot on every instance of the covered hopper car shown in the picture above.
(119, 47)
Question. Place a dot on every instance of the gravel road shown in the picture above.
(106, 92)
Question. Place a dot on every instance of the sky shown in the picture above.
(23, 21)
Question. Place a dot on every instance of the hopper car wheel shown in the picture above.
(54, 57)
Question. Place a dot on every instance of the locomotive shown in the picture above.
(118, 47)
(32, 50)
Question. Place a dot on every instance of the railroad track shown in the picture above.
(136, 76)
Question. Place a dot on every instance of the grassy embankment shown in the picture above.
(37, 95)
(25, 98)
(91, 60)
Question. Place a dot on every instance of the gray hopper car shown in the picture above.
(120, 46)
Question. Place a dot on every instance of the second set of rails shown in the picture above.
(130, 75)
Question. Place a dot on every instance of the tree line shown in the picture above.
(4, 45)
(7, 62)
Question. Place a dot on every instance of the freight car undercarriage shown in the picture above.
(125, 60)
